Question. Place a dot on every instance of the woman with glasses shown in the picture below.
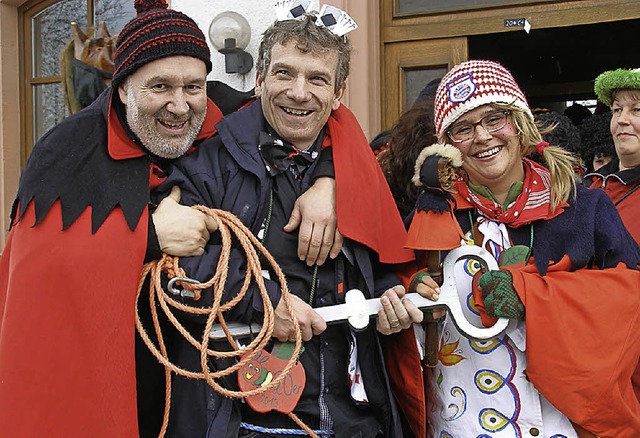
(568, 279)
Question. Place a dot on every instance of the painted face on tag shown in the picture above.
(263, 369)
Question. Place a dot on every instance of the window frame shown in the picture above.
(28, 81)
(445, 9)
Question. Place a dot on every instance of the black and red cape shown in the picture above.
(68, 279)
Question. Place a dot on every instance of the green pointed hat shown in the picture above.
(612, 80)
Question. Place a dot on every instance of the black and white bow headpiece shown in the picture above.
(330, 17)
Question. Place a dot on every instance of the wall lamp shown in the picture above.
(230, 34)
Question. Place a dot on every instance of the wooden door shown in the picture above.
(409, 66)
(421, 40)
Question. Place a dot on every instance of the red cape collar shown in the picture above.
(122, 147)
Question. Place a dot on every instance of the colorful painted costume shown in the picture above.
(573, 357)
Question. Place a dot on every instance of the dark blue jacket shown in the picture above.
(228, 173)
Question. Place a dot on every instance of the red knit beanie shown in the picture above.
(157, 32)
(472, 84)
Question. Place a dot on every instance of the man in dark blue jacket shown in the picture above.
(82, 227)
(263, 159)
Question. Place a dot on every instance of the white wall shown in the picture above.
(362, 95)
(259, 13)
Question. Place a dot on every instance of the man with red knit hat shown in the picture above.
(82, 227)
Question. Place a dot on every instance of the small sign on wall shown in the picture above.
(518, 22)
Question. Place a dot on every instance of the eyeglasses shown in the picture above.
(492, 122)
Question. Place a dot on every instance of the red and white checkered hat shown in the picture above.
(472, 84)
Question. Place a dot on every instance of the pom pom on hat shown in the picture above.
(157, 32)
(612, 80)
(146, 5)
(472, 84)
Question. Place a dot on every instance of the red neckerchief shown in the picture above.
(365, 208)
(532, 204)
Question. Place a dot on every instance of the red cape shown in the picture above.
(585, 341)
(67, 327)
(365, 208)
(67, 318)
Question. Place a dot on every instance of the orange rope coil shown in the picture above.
(228, 224)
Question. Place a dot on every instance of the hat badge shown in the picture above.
(461, 88)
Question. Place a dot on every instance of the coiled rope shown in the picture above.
(228, 225)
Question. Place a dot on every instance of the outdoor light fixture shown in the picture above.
(230, 34)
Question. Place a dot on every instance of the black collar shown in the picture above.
(611, 170)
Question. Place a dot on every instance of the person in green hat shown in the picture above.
(620, 90)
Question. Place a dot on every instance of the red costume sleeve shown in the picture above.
(67, 365)
(365, 207)
(583, 344)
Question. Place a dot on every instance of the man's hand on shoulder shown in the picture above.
(311, 324)
(315, 213)
(182, 231)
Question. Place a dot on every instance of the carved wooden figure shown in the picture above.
(86, 63)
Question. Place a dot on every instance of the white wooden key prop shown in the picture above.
(357, 310)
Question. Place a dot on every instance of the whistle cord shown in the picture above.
(229, 226)
(263, 240)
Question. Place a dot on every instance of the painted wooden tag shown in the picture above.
(266, 367)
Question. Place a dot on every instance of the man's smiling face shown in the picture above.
(298, 93)
(166, 103)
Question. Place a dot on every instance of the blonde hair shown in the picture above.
(559, 161)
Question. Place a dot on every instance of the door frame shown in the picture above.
(412, 55)
(424, 40)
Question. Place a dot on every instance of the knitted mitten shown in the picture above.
(413, 286)
(417, 279)
(500, 298)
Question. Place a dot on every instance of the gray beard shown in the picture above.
(143, 125)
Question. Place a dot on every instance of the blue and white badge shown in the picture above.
(461, 88)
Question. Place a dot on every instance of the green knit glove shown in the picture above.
(417, 279)
(500, 298)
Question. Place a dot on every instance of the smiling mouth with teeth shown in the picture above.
(172, 125)
(489, 152)
(295, 112)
